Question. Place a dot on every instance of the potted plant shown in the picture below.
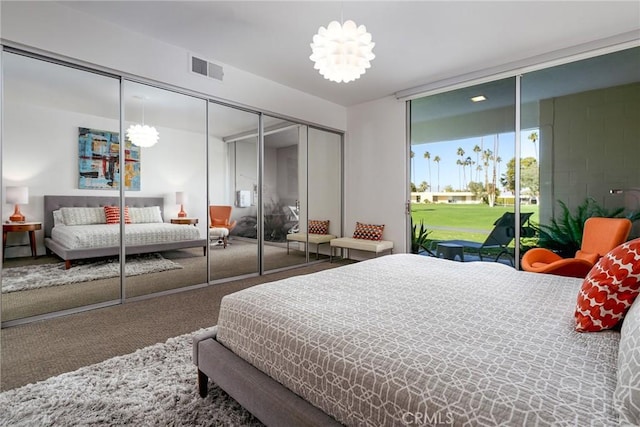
(419, 240)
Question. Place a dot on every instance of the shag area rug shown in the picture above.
(154, 386)
(43, 275)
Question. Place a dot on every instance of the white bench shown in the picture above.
(376, 246)
(220, 235)
(316, 239)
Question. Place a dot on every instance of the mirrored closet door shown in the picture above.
(233, 192)
(165, 187)
(284, 193)
(60, 131)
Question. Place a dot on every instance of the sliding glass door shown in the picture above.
(577, 141)
(462, 150)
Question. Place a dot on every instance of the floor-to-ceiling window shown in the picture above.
(462, 146)
(578, 135)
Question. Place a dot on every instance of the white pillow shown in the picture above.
(83, 216)
(58, 219)
(149, 214)
(626, 398)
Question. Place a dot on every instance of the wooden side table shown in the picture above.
(185, 221)
(17, 227)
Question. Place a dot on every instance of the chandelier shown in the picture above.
(342, 52)
(142, 135)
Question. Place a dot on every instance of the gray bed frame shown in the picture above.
(268, 400)
(52, 203)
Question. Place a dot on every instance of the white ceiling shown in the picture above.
(416, 42)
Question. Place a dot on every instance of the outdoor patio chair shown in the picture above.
(500, 237)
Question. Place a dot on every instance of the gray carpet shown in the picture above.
(152, 386)
(45, 275)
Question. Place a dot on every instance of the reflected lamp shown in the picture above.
(181, 199)
(17, 196)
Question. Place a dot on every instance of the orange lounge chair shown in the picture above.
(599, 237)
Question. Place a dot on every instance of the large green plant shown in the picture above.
(564, 233)
(419, 241)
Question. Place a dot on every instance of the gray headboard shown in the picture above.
(52, 203)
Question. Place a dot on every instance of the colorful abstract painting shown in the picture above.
(99, 161)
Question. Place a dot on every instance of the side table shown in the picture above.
(17, 227)
(185, 221)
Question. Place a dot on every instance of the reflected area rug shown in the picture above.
(154, 386)
(43, 275)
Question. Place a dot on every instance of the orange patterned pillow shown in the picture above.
(318, 227)
(609, 289)
(368, 231)
(113, 214)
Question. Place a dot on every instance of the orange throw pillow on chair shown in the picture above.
(609, 289)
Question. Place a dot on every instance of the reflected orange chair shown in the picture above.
(600, 236)
(220, 217)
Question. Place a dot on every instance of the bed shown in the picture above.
(90, 239)
(412, 340)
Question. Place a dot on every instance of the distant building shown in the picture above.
(444, 197)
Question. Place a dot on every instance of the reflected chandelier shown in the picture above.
(142, 135)
(342, 52)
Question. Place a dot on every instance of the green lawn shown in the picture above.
(448, 221)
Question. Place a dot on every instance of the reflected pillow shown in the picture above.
(368, 231)
(146, 215)
(83, 216)
(112, 213)
(58, 219)
(318, 227)
(609, 289)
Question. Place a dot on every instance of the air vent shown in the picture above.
(205, 68)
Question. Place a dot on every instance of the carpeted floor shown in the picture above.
(238, 258)
(154, 386)
(39, 350)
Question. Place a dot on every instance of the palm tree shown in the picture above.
(477, 150)
(469, 162)
(413, 169)
(460, 162)
(437, 160)
(533, 137)
(427, 156)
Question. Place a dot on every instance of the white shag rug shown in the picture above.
(154, 386)
(43, 275)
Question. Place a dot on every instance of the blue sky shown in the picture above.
(450, 172)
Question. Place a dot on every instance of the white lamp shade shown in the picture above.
(342, 53)
(142, 135)
(181, 197)
(17, 195)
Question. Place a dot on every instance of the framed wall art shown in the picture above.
(99, 161)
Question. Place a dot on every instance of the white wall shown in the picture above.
(376, 169)
(55, 28)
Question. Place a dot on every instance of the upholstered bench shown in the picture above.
(375, 246)
(316, 239)
(219, 234)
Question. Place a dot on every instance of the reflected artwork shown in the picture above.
(99, 161)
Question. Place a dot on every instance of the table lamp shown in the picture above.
(181, 198)
(17, 196)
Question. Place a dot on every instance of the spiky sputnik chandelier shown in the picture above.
(342, 53)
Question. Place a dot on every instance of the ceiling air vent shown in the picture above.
(205, 68)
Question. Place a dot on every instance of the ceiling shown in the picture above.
(417, 43)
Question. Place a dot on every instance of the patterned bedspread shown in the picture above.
(106, 235)
(411, 341)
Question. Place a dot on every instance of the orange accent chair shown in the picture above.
(220, 216)
(600, 236)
